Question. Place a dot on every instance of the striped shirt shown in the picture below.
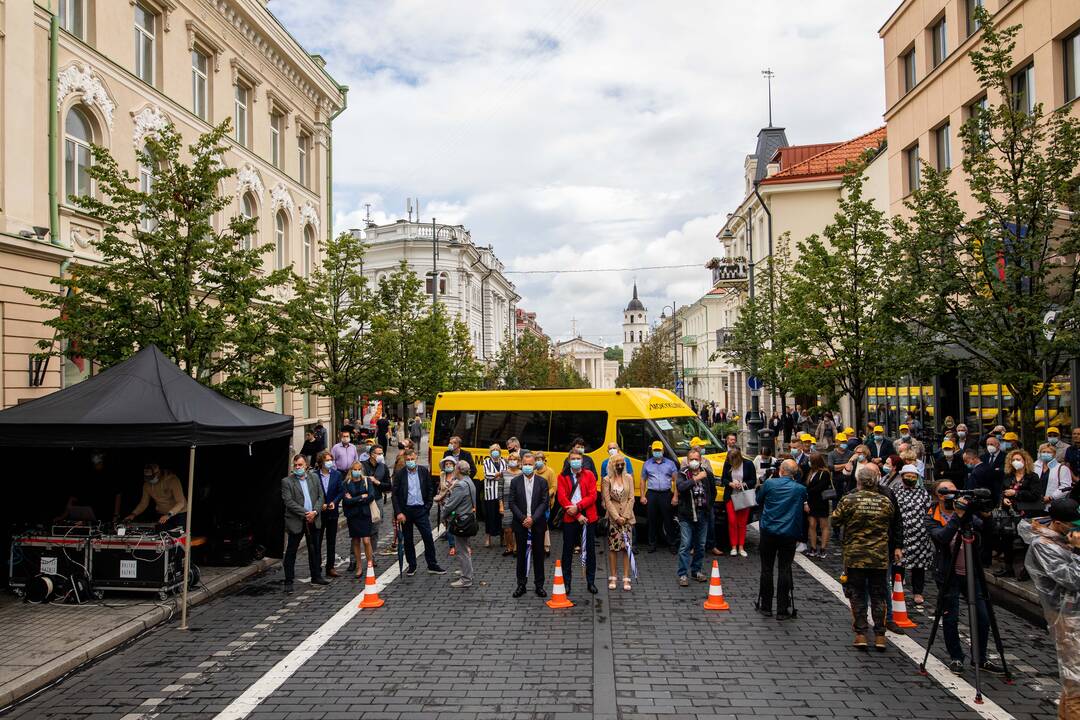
(493, 473)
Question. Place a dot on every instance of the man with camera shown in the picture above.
(946, 523)
(1053, 561)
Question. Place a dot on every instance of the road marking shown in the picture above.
(963, 690)
(276, 676)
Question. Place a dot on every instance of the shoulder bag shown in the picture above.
(373, 505)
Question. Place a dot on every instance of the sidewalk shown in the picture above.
(44, 642)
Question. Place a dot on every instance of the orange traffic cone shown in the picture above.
(371, 594)
(558, 590)
(899, 607)
(716, 600)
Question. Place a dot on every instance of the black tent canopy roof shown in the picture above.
(145, 401)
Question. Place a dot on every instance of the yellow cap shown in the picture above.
(905, 426)
(849, 431)
(1010, 436)
(841, 437)
(657, 445)
(878, 428)
(806, 437)
(1052, 431)
(948, 444)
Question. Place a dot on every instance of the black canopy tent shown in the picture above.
(144, 402)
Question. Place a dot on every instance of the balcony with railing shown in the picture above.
(727, 272)
(724, 336)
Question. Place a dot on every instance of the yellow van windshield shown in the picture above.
(679, 431)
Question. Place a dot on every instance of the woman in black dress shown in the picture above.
(358, 506)
(818, 481)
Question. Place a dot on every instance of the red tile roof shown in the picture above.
(826, 165)
(795, 154)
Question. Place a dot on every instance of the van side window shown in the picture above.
(449, 423)
(635, 437)
(529, 426)
(566, 425)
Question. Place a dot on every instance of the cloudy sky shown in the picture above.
(583, 134)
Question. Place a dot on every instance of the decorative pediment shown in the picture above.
(149, 122)
(81, 79)
(309, 216)
(280, 198)
(248, 180)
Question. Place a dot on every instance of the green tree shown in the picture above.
(331, 314)
(651, 366)
(530, 364)
(465, 372)
(169, 277)
(400, 342)
(986, 283)
(615, 352)
(837, 313)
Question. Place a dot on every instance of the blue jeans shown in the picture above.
(691, 532)
(950, 622)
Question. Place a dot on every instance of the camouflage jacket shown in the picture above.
(865, 516)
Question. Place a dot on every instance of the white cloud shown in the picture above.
(582, 133)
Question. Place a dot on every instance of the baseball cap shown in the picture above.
(1065, 510)
(1010, 436)
(849, 431)
(905, 426)
(806, 437)
(878, 428)
(657, 445)
(948, 444)
(841, 437)
(1052, 431)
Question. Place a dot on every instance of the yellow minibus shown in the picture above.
(549, 420)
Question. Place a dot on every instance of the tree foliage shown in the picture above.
(652, 364)
(168, 276)
(986, 282)
(530, 364)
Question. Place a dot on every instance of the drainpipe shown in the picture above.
(54, 54)
(772, 280)
(330, 162)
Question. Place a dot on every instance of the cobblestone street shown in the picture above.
(434, 652)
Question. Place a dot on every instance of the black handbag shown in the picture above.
(465, 525)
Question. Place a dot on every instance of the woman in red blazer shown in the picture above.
(576, 492)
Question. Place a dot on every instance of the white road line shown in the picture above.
(964, 691)
(276, 676)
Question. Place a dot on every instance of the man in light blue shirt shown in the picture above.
(302, 495)
(658, 475)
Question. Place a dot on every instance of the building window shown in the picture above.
(146, 185)
(908, 65)
(145, 41)
(303, 152)
(972, 21)
(940, 42)
(1023, 89)
(976, 109)
(199, 82)
(279, 240)
(943, 141)
(428, 283)
(247, 208)
(1071, 56)
(911, 162)
(277, 122)
(78, 135)
(309, 243)
(73, 17)
(242, 97)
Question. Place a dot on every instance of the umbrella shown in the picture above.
(400, 548)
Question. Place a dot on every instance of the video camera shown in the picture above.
(980, 499)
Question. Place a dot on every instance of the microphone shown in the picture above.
(982, 493)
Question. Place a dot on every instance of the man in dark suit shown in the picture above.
(787, 423)
(528, 505)
(981, 475)
(412, 496)
(454, 450)
(880, 446)
(303, 497)
(949, 465)
(994, 458)
(333, 491)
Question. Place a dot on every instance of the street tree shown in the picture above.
(999, 283)
(464, 372)
(331, 314)
(530, 364)
(400, 339)
(651, 366)
(169, 276)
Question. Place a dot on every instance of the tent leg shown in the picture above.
(187, 542)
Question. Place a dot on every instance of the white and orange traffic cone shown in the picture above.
(716, 600)
(899, 607)
(371, 597)
(558, 590)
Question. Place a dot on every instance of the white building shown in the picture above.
(635, 326)
(588, 359)
(471, 284)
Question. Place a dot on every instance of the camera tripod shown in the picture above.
(975, 579)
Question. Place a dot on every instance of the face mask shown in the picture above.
(909, 481)
(796, 452)
(379, 459)
(579, 449)
(411, 464)
(859, 457)
(998, 435)
(992, 449)
(1046, 457)
(948, 454)
(694, 464)
(344, 441)
(298, 472)
(328, 464)
(575, 464)
(961, 434)
(448, 469)
(1005, 444)
(658, 454)
(1018, 464)
(612, 451)
(878, 436)
(527, 469)
(453, 448)
(905, 437)
(539, 464)
(356, 473)
(495, 454)
(512, 464)
(1053, 439)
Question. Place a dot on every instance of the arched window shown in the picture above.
(279, 239)
(78, 134)
(247, 209)
(640, 335)
(442, 283)
(309, 243)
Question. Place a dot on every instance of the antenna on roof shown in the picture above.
(408, 207)
(768, 74)
(367, 219)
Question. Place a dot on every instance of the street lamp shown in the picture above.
(755, 419)
(674, 308)
(361, 235)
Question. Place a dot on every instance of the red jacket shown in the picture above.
(587, 484)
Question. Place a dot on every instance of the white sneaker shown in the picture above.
(459, 583)
(734, 552)
(742, 552)
(801, 547)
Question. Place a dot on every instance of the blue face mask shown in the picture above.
(411, 464)
(328, 464)
(575, 464)
(796, 452)
(658, 454)
(878, 436)
(495, 454)
(527, 469)
(298, 472)
(1046, 457)
(539, 464)
(1005, 444)
(356, 473)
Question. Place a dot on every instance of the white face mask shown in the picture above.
(948, 454)
(612, 451)
(1018, 464)
(694, 464)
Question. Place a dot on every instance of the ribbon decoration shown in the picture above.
(630, 553)
(584, 535)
